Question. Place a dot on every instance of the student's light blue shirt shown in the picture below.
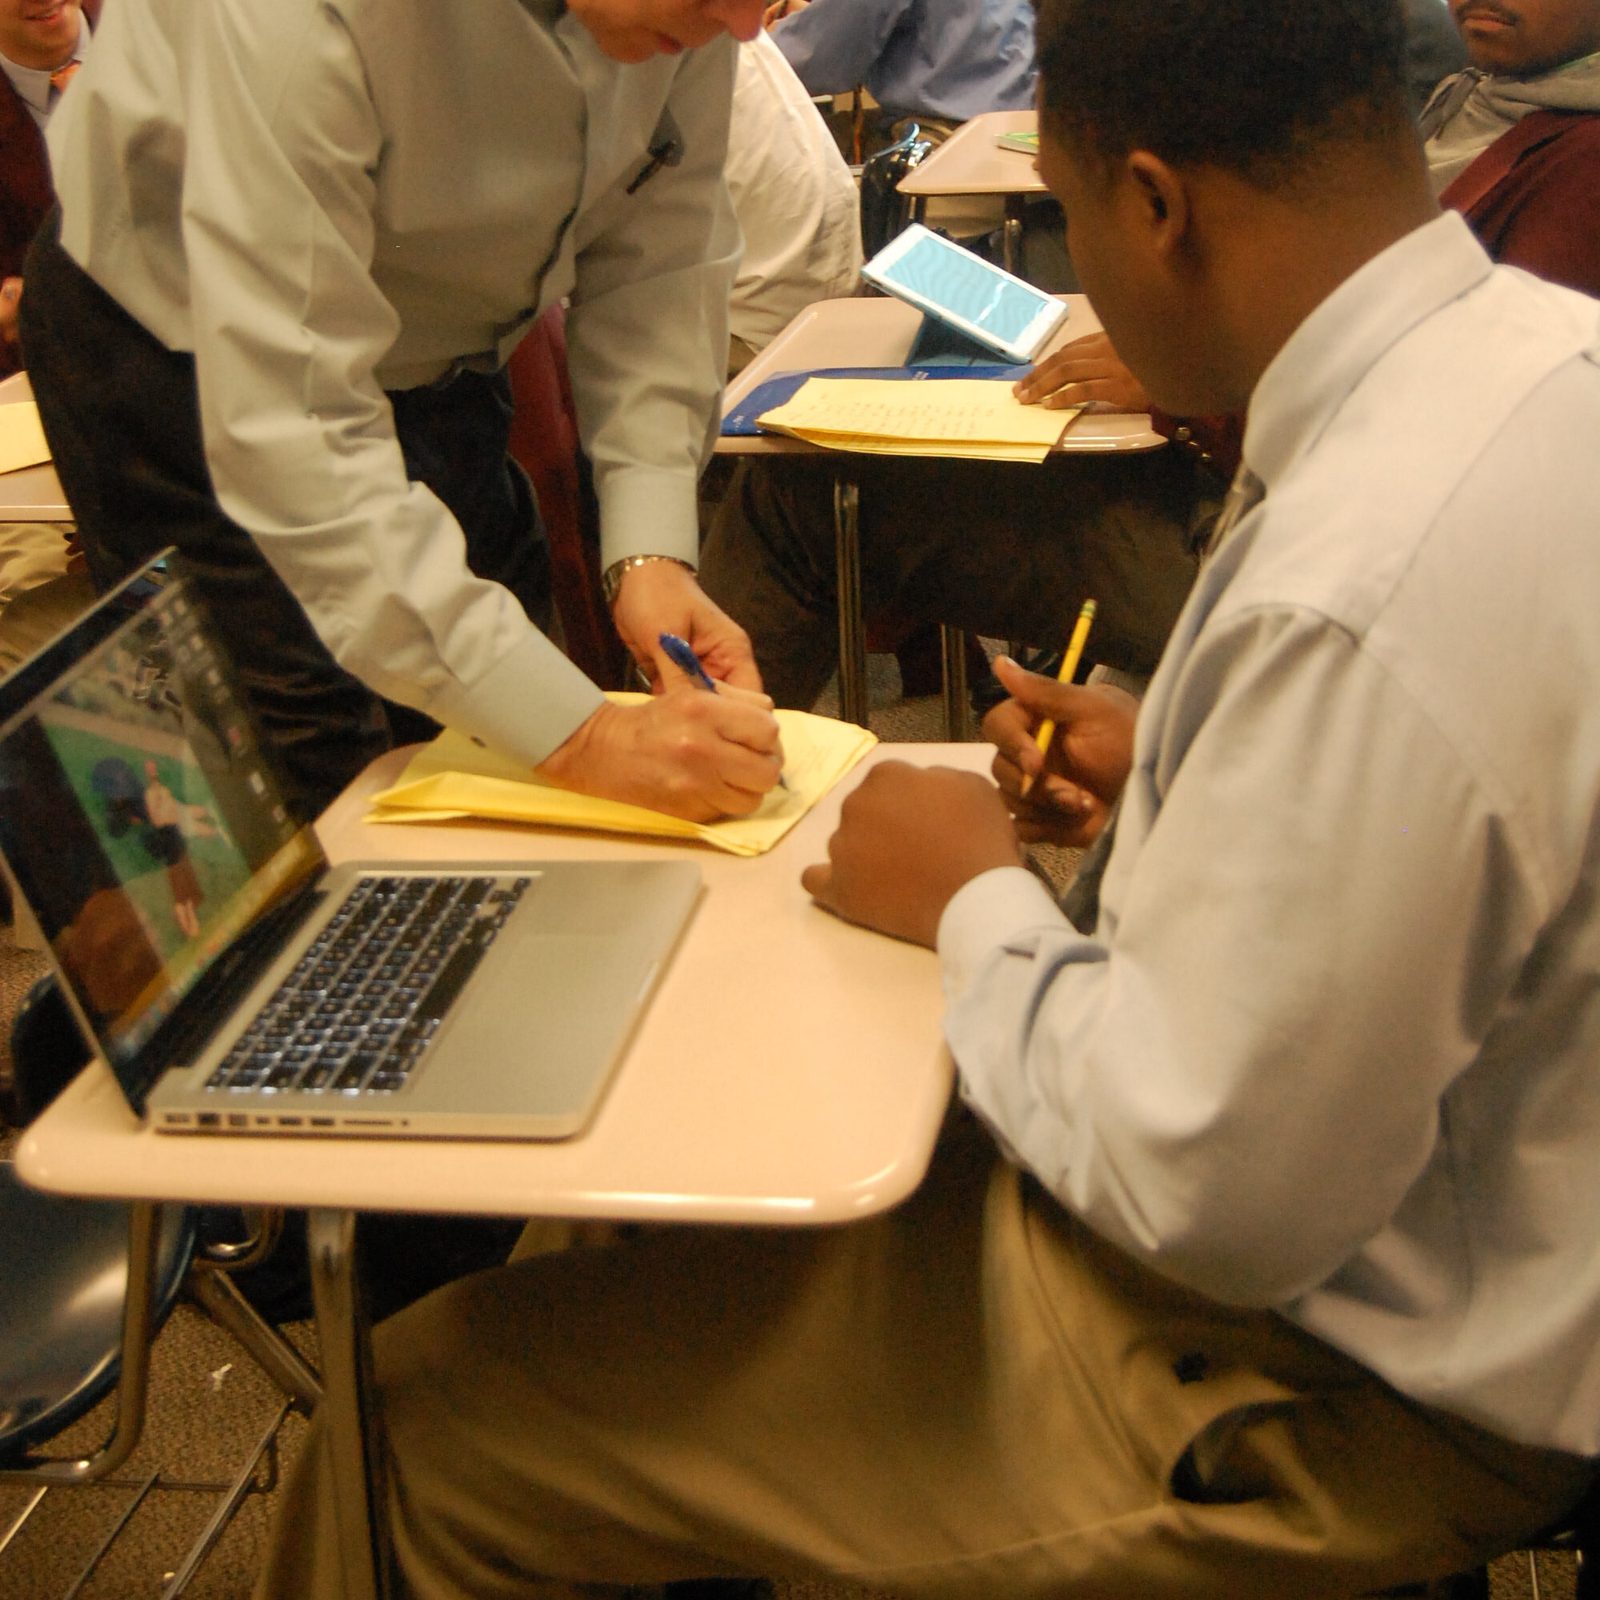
(935, 58)
(1334, 1045)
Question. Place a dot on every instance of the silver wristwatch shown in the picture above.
(611, 578)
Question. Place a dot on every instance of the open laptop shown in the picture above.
(231, 980)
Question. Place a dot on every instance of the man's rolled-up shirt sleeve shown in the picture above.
(288, 329)
(1238, 1078)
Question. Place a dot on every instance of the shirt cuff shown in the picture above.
(986, 912)
(648, 513)
(528, 705)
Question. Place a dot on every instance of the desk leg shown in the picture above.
(351, 1431)
(1011, 236)
(852, 627)
(953, 654)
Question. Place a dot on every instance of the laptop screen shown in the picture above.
(138, 813)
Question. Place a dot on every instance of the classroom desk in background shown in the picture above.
(877, 331)
(970, 163)
(32, 494)
(736, 1103)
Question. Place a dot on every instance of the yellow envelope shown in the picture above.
(454, 778)
(22, 441)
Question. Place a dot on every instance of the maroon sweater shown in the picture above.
(1533, 200)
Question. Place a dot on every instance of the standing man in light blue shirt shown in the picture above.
(297, 242)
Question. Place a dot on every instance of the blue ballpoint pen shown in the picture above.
(681, 654)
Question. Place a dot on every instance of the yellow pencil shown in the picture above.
(1069, 666)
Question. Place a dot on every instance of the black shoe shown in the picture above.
(986, 691)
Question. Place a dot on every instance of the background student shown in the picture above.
(41, 48)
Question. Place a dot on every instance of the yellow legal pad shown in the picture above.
(453, 778)
(22, 442)
(977, 418)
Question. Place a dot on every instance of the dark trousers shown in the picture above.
(121, 413)
(1006, 550)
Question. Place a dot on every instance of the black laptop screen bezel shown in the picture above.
(207, 1002)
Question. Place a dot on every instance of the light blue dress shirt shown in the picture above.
(1334, 1046)
(934, 58)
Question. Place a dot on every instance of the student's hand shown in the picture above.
(1075, 787)
(1087, 372)
(662, 597)
(908, 838)
(686, 751)
(10, 296)
(779, 9)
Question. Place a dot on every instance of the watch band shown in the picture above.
(611, 578)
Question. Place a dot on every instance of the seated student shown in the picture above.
(794, 199)
(770, 558)
(40, 48)
(935, 61)
(1514, 141)
(1275, 1275)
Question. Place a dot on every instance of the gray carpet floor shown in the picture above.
(208, 1404)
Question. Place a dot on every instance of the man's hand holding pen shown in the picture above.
(685, 752)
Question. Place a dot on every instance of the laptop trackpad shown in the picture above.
(536, 1034)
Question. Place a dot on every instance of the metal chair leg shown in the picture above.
(953, 651)
(243, 1485)
(852, 629)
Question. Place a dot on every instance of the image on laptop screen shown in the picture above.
(139, 816)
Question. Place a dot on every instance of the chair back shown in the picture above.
(66, 1271)
(47, 1050)
(884, 210)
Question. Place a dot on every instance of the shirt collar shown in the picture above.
(1329, 354)
(32, 83)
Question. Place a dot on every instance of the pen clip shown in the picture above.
(666, 154)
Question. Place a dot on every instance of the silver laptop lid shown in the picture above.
(141, 819)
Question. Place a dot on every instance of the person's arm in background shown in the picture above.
(1089, 372)
(833, 44)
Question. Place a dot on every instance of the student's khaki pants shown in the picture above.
(967, 1397)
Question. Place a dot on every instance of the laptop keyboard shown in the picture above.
(362, 1003)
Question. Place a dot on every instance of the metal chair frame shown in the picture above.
(206, 1283)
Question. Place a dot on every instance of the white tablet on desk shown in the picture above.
(960, 288)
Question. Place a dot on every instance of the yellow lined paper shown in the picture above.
(948, 417)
